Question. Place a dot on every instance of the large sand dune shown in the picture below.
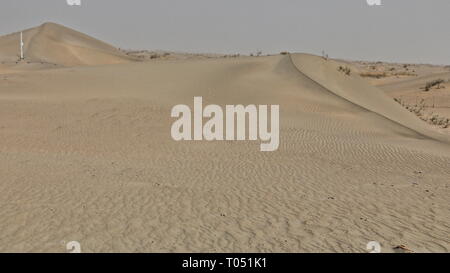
(54, 44)
(86, 155)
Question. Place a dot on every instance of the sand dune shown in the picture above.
(356, 90)
(86, 155)
(54, 44)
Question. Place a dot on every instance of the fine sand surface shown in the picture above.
(86, 155)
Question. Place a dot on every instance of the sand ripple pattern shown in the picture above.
(94, 162)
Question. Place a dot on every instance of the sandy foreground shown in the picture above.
(86, 155)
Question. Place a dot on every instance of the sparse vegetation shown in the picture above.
(232, 56)
(382, 74)
(379, 70)
(419, 109)
(143, 55)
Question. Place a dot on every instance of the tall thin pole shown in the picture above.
(21, 46)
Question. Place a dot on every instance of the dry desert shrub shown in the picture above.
(376, 75)
(347, 71)
(435, 83)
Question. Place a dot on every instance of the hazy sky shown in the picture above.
(400, 30)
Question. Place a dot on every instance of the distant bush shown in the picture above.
(284, 53)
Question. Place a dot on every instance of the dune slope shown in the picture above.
(356, 90)
(86, 155)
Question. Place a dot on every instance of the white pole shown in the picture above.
(21, 46)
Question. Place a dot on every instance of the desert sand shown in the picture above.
(86, 155)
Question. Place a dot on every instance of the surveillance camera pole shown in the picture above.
(21, 46)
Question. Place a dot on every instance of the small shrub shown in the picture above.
(347, 71)
(376, 75)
